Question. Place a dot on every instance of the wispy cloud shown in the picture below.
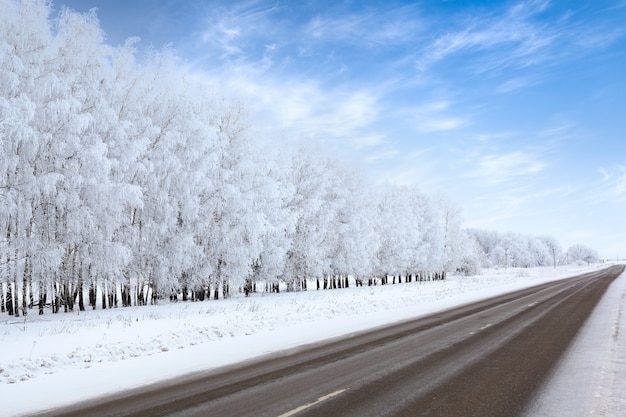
(613, 183)
(410, 172)
(489, 137)
(306, 109)
(605, 175)
(592, 37)
(617, 5)
(441, 124)
(518, 37)
(561, 131)
(519, 41)
(558, 130)
(381, 155)
(227, 29)
(369, 140)
(498, 168)
(515, 84)
(368, 28)
(433, 116)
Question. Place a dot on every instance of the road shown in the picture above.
(484, 359)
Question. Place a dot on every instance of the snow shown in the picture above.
(104, 351)
(590, 380)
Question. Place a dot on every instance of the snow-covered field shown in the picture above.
(51, 360)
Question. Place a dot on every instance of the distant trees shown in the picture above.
(519, 250)
(122, 182)
(581, 254)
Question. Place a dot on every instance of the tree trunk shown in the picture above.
(56, 298)
(67, 296)
(226, 288)
(9, 300)
(42, 297)
(25, 280)
(92, 295)
(126, 291)
(81, 301)
(112, 298)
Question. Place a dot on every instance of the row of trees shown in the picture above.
(125, 179)
(504, 250)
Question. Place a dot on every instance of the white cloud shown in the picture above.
(619, 5)
(411, 174)
(514, 84)
(501, 168)
(368, 140)
(613, 183)
(605, 175)
(620, 185)
(344, 27)
(433, 117)
(596, 38)
(488, 137)
(382, 155)
(441, 124)
(558, 131)
(516, 39)
(528, 8)
(306, 109)
(228, 28)
(382, 27)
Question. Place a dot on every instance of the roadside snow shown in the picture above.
(590, 380)
(52, 360)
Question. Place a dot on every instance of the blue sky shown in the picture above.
(515, 110)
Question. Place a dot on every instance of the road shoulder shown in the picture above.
(590, 380)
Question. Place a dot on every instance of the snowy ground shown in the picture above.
(51, 360)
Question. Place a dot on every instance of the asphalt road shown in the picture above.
(483, 359)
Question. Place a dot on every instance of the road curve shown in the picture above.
(483, 359)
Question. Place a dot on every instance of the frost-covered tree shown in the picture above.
(581, 254)
(353, 239)
(276, 221)
(398, 232)
(25, 36)
(312, 206)
(553, 247)
(473, 258)
(457, 247)
(517, 250)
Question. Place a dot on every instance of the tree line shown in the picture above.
(126, 179)
(504, 250)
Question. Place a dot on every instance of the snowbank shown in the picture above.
(103, 351)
